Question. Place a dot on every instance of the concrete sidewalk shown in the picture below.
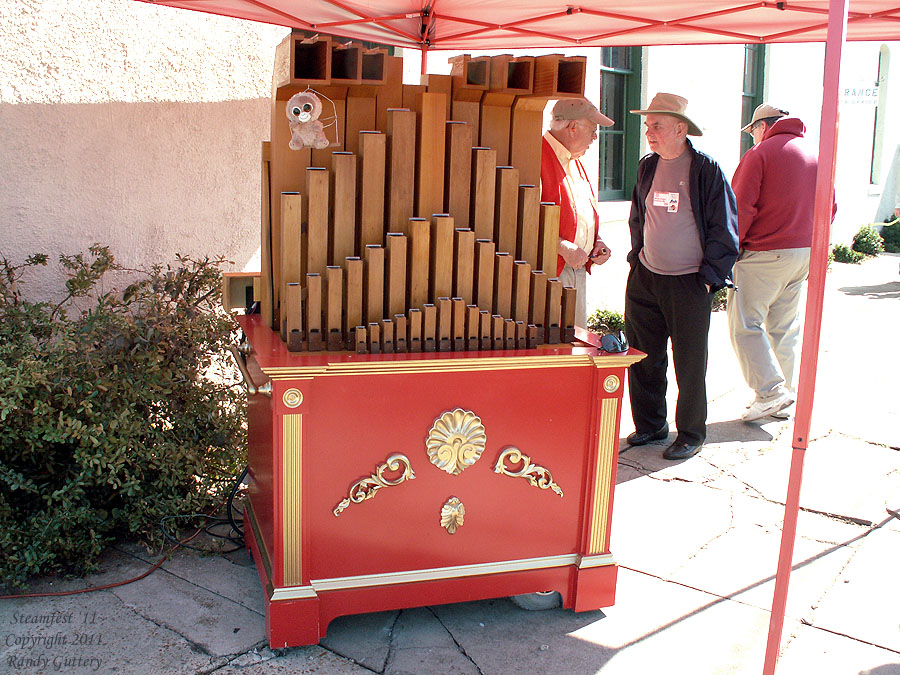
(697, 542)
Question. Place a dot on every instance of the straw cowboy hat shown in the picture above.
(670, 104)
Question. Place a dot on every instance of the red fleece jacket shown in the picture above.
(775, 186)
(553, 190)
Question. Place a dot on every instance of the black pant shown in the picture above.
(659, 307)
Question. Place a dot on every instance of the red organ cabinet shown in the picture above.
(388, 481)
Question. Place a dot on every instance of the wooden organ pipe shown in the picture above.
(464, 264)
(314, 311)
(506, 204)
(343, 191)
(370, 214)
(317, 216)
(334, 304)
(419, 262)
(401, 172)
(441, 273)
(484, 179)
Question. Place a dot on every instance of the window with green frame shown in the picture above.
(620, 91)
(754, 73)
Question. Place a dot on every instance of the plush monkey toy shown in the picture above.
(307, 131)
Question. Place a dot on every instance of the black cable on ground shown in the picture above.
(202, 528)
(213, 522)
(235, 525)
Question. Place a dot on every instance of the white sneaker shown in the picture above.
(786, 413)
(760, 409)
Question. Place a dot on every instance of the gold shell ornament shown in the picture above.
(452, 515)
(456, 441)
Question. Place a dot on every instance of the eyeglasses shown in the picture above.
(589, 126)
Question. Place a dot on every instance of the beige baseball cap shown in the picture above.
(579, 109)
(671, 104)
(763, 111)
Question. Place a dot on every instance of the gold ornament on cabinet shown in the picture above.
(535, 474)
(455, 441)
(452, 515)
(367, 487)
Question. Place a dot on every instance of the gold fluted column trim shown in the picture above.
(606, 449)
(292, 495)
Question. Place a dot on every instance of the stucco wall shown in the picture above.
(134, 126)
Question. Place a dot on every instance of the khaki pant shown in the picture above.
(764, 317)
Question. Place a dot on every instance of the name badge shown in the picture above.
(667, 199)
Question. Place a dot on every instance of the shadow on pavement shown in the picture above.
(888, 291)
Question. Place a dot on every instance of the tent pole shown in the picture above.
(818, 265)
(424, 69)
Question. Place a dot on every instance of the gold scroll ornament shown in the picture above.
(453, 513)
(455, 441)
(367, 487)
(537, 475)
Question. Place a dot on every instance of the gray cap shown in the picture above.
(579, 109)
(764, 111)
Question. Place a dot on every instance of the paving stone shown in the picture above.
(297, 661)
(96, 633)
(420, 628)
(232, 580)
(216, 625)
(851, 478)
(364, 638)
(426, 660)
(659, 627)
(812, 650)
(502, 638)
(659, 524)
(864, 603)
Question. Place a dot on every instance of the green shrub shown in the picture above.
(115, 410)
(890, 234)
(844, 254)
(720, 300)
(606, 320)
(867, 241)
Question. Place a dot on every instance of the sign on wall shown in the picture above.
(859, 93)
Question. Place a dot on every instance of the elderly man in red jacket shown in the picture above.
(573, 127)
(775, 185)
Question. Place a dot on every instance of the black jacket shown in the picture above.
(715, 211)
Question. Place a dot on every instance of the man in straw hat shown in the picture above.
(683, 243)
(564, 181)
(775, 186)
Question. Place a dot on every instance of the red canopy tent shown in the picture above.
(490, 24)
(462, 25)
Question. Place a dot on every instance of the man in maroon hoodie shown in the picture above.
(775, 185)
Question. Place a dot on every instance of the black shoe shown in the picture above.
(641, 438)
(682, 450)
